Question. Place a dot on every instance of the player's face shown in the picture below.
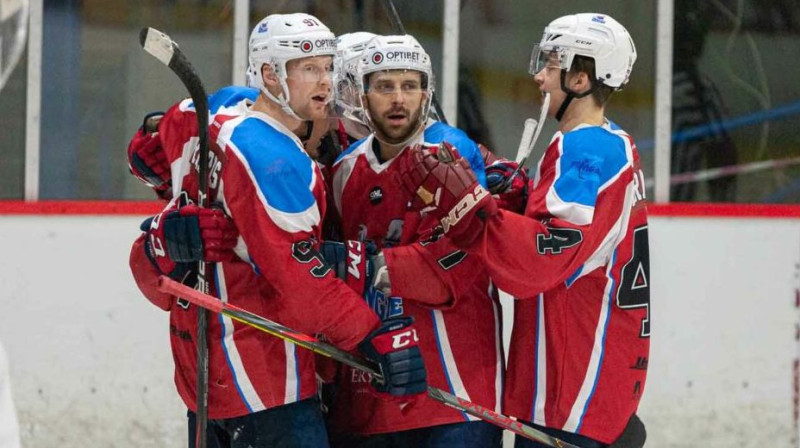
(394, 101)
(309, 81)
(549, 81)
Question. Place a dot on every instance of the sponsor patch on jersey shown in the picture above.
(375, 196)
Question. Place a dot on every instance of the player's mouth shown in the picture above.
(397, 118)
(320, 99)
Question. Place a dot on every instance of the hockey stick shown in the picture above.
(169, 286)
(529, 137)
(394, 17)
(166, 50)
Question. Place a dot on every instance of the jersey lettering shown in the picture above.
(449, 261)
(557, 240)
(303, 252)
(634, 283)
(384, 306)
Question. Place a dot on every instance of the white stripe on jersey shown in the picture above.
(448, 361)
(303, 221)
(292, 379)
(575, 418)
(240, 377)
(344, 168)
(540, 399)
(182, 166)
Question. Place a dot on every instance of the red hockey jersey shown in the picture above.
(458, 325)
(579, 263)
(274, 193)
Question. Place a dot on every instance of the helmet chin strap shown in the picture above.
(570, 95)
(281, 101)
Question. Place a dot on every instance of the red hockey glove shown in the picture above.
(393, 346)
(146, 158)
(511, 193)
(442, 184)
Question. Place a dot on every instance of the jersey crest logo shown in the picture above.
(376, 196)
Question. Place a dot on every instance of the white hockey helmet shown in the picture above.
(349, 48)
(279, 38)
(596, 36)
(396, 53)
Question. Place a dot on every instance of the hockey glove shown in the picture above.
(508, 188)
(442, 184)
(358, 263)
(179, 237)
(393, 346)
(146, 158)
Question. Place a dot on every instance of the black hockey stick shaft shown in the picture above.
(394, 17)
(167, 285)
(163, 48)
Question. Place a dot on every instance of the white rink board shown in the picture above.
(91, 366)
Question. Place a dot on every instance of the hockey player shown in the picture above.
(459, 325)
(261, 389)
(578, 259)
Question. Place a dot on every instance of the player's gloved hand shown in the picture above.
(442, 184)
(155, 247)
(186, 235)
(146, 158)
(354, 262)
(508, 188)
(393, 346)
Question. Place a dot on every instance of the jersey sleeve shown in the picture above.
(146, 276)
(467, 148)
(573, 221)
(434, 274)
(269, 189)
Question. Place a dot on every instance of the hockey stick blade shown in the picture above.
(527, 143)
(169, 286)
(163, 48)
(538, 130)
(527, 136)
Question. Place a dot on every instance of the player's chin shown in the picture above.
(316, 111)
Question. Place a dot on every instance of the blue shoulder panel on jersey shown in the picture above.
(349, 149)
(440, 132)
(614, 126)
(591, 156)
(229, 96)
(282, 171)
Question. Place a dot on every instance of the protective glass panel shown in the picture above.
(97, 85)
(736, 102)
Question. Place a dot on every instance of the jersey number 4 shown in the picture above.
(634, 283)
